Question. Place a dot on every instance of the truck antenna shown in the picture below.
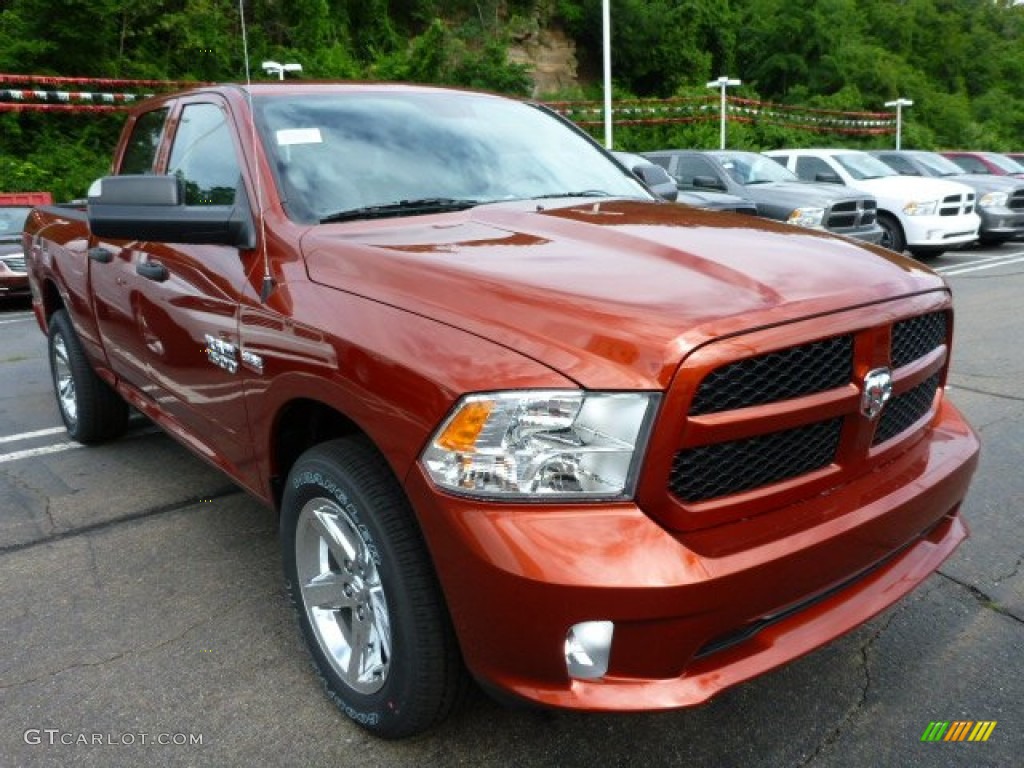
(268, 280)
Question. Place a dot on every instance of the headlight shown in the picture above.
(914, 208)
(993, 200)
(807, 217)
(519, 445)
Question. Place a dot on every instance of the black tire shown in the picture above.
(892, 233)
(92, 411)
(359, 577)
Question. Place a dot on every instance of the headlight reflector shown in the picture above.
(993, 200)
(530, 444)
(807, 217)
(914, 208)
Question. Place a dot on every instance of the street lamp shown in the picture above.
(606, 44)
(899, 104)
(722, 83)
(273, 68)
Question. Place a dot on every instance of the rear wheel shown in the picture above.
(365, 594)
(91, 410)
(892, 233)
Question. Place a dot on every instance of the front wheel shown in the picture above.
(892, 233)
(366, 597)
(91, 410)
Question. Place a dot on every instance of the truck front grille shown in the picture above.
(957, 205)
(1016, 201)
(769, 418)
(776, 376)
(14, 263)
(709, 471)
(849, 214)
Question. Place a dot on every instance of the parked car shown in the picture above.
(708, 199)
(987, 163)
(14, 209)
(1017, 157)
(775, 192)
(650, 174)
(1000, 199)
(924, 216)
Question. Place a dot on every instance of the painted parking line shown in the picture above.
(30, 435)
(41, 451)
(978, 266)
(16, 319)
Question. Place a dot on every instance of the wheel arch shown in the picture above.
(299, 425)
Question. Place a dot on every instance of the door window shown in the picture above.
(203, 155)
(140, 150)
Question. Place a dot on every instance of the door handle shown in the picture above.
(100, 255)
(152, 270)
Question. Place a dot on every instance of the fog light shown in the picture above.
(588, 646)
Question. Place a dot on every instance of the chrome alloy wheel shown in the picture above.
(64, 380)
(343, 595)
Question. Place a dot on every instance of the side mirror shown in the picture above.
(657, 178)
(152, 208)
(708, 182)
(828, 177)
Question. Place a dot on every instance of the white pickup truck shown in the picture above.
(923, 216)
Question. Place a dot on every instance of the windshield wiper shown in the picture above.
(402, 208)
(584, 193)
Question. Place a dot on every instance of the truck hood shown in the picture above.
(611, 294)
(898, 190)
(800, 194)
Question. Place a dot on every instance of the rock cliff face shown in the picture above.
(550, 57)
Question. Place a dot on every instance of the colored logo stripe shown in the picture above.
(982, 731)
(958, 730)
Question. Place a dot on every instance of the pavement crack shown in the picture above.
(985, 600)
(854, 710)
(106, 524)
(110, 659)
(1012, 573)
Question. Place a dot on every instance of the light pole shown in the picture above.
(899, 104)
(273, 68)
(606, 41)
(722, 83)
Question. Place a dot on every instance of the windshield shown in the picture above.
(939, 165)
(381, 153)
(1005, 163)
(752, 168)
(861, 165)
(12, 221)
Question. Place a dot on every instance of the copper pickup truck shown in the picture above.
(522, 421)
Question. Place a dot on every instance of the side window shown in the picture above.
(689, 166)
(204, 156)
(969, 164)
(810, 168)
(140, 150)
(899, 164)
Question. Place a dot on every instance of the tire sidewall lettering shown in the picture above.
(315, 478)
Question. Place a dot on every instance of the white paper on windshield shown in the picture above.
(288, 136)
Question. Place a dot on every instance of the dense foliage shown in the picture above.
(961, 61)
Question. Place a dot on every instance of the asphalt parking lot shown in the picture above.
(144, 620)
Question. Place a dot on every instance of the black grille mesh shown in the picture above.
(791, 372)
(904, 410)
(709, 471)
(916, 337)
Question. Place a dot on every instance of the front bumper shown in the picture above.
(1000, 224)
(940, 231)
(694, 613)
